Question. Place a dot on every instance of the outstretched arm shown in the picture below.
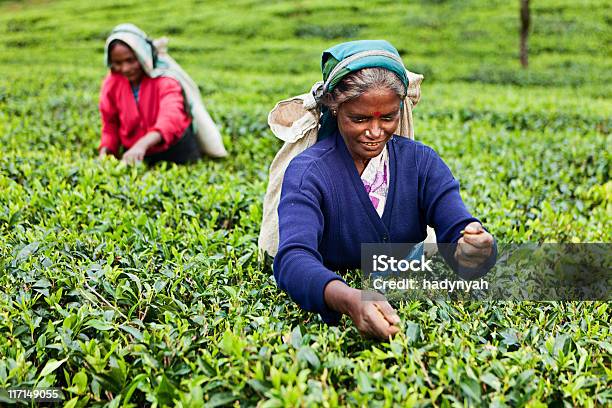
(172, 118)
(138, 151)
(445, 211)
(298, 265)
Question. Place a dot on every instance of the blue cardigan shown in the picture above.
(325, 214)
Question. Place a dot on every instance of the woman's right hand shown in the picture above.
(375, 318)
(372, 317)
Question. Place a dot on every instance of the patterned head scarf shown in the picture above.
(342, 59)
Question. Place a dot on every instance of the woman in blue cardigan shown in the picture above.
(360, 184)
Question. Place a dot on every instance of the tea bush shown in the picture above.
(128, 286)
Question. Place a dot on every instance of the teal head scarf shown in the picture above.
(342, 59)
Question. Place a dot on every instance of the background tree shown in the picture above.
(525, 22)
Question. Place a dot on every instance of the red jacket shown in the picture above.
(160, 107)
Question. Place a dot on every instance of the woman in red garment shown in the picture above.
(142, 106)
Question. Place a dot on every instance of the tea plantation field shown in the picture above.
(128, 286)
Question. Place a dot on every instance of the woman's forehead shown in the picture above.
(374, 103)
(121, 51)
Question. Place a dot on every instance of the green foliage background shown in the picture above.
(134, 286)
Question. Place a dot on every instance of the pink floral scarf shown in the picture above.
(375, 178)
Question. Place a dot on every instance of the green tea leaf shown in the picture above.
(307, 354)
(413, 331)
(471, 388)
(509, 337)
(51, 366)
(491, 381)
(100, 324)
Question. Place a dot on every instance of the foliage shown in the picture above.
(134, 286)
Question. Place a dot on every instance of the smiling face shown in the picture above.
(367, 122)
(124, 61)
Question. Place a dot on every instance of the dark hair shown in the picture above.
(114, 43)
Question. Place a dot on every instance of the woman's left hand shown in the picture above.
(138, 151)
(474, 247)
(135, 154)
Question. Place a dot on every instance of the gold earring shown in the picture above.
(334, 112)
